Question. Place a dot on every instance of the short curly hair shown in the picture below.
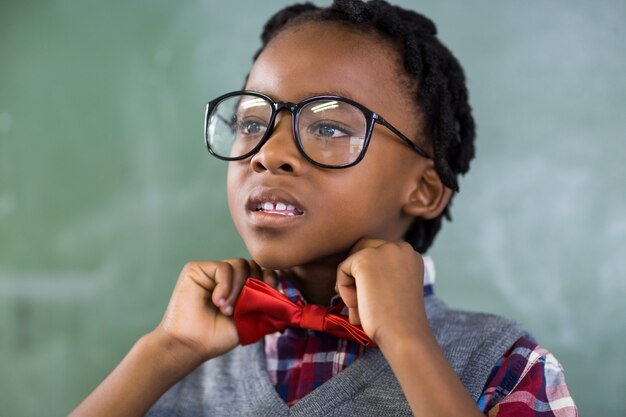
(436, 77)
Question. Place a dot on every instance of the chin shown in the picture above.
(269, 255)
(274, 261)
(282, 258)
(277, 254)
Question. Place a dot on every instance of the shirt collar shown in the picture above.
(429, 270)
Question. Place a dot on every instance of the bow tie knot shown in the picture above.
(313, 317)
(261, 310)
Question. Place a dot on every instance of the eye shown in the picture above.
(328, 130)
(251, 127)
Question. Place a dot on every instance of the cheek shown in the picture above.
(379, 182)
(233, 183)
(370, 205)
(384, 187)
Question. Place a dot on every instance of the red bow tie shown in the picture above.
(261, 310)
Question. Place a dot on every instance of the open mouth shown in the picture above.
(274, 201)
(280, 208)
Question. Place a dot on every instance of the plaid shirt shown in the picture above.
(527, 381)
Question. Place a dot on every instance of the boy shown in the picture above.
(380, 128)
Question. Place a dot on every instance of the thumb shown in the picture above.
(346, 288)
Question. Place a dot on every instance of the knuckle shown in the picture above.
(188, 266)
(188, 270)
(239, 265)
(367, 252)
(223, 272)
(225, 266)
(407, 247)
(238, 262)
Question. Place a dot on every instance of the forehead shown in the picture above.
(317, 58)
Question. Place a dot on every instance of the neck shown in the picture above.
(316, 281)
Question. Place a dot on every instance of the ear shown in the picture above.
(430, 196)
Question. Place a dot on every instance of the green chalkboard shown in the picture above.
(106, 189)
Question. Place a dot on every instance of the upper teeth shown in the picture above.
(278, 206)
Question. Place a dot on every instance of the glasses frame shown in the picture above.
(371, 119)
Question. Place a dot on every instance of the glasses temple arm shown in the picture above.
(408, 141)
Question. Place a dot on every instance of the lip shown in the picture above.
(261, 195)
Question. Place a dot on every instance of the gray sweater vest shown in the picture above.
(237, 383)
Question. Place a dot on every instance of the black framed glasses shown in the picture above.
(330, 131)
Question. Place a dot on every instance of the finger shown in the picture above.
(270, 277)
(255, 270)
(241, 272)
(353, 316)
(367, 243)
(201, 273)
(223, 278)
(266, 275)
(346, 284)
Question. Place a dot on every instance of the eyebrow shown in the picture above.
(340, 93)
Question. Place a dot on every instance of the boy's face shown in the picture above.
(333, 208)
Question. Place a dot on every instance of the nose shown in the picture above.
(279, 154)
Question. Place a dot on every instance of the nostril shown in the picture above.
(286, 167)
(257, 165)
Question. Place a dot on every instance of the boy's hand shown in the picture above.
(197, 326)
(382, 284)
(199, 315)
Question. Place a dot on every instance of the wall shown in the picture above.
(106, 189)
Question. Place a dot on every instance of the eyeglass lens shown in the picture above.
(330, 132)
